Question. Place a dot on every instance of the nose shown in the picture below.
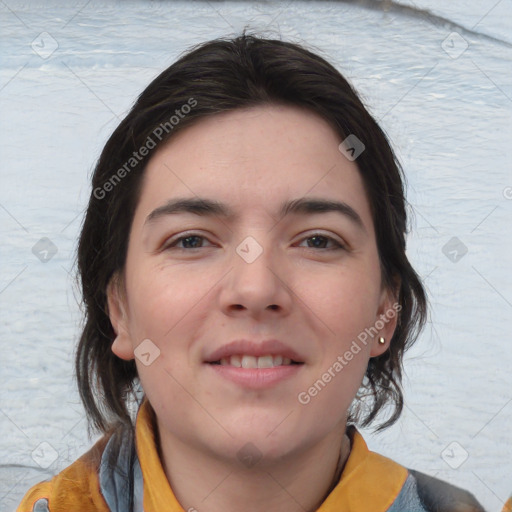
(257, 287)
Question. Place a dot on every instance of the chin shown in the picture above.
(269, 437)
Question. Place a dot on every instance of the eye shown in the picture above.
(188, 241)
(319, 241)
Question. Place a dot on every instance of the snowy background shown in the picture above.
(438, 76)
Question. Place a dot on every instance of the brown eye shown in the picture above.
(189, 241)
(192, 242)
(319, 241)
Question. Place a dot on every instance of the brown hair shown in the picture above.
(219, 76)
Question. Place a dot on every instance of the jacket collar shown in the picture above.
(369, 481)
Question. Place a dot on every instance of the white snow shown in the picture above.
(448, 115)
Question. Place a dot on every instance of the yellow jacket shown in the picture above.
(369, 483)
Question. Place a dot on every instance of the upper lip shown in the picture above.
(253, 348)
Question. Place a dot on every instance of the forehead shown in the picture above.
(253, 159)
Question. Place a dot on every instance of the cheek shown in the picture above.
(166, 305)
(332, 390)
(345, 301)
(163, 298)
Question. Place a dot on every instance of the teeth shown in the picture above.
(249, 362)
(242, 361)
(236, 361)
(265, 362)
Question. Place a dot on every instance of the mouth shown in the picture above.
(255, 365)
(251, 354)
(252, 362)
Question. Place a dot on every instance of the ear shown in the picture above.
(116, 300)
(386, 320)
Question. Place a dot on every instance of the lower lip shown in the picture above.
(256, 378)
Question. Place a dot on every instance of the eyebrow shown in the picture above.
(211, 208)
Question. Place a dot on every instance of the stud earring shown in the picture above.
(382, 340)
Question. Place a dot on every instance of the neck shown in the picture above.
(294, 483)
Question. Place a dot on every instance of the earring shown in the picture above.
(382, 340)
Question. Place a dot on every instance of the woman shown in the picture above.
(243, 259)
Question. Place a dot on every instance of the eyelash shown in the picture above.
(337, 245)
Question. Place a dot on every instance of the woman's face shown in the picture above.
(253, 270)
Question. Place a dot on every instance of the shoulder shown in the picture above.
(403, 489)
(75, 488)
(423, 493)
